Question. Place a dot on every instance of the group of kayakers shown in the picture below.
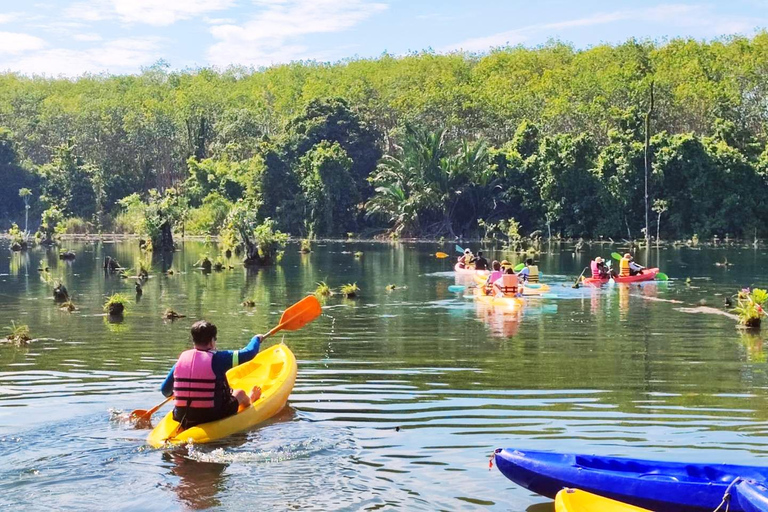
(627, 267)
(503, 280)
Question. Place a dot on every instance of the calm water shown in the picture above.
(617, 371)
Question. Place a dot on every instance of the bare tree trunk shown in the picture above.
(648, 166)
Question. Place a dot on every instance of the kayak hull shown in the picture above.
(576, 500)
(752, 496)
(529, 289)
(273, 369)
(511, 303)
(648, 274)
(469, 271)
(655, 485)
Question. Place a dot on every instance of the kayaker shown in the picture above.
(530, 272)
(508, 284)
(504, 265)
(466, 259)
(480, 262)
(599, 270)
(495, 276)
(199, 383)
(627, 266)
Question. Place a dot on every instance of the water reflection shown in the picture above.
(199, 482)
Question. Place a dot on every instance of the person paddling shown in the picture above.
(530, 272)
(466, 259)
(507, 285)
(628, 267)
(599, 270)
(198, 380)
(480, 262)
(495, 276)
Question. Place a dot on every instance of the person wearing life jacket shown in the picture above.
(530, 272)
(508, 284)
(198, 380)
(466, 259)
(598, 269)
(496, 274)
(626, 268)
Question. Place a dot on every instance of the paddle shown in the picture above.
(519, 267)
(294, 318)
(661, 276)
(455, 288)
(578, 279)
(616, 256)
(459, 249)
(441, 255)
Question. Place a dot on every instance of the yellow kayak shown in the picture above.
(505, 302)
(273, 369)
(529, 289)
(574, 500)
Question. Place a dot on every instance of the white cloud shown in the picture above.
(274, 34)
(14, 43)
(7, 17)
(150, 12)
(87, 37)
(677, 15)
(116, 56)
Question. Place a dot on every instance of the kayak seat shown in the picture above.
(622, 466)
(275, 370)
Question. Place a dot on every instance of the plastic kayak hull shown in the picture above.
(273, 369)
(576, 500)
(503, 302)
(529, 289)
(649, 274)
(469, 271)
(655, 485)
(752, 496)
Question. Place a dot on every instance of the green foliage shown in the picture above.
(749, 307)
(162, 213)
(261, 239)
(323, 290)
(49, 223)
(15, 234)
(116, 304)
(349, 290)
(306, 246)
(18, 334)
(209, 218)
(75, 226)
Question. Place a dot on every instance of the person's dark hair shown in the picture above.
(203, 332)
(496, 265)
(479, 253)
(510, 270)
(529, 261)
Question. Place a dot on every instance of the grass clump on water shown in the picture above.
(115, 305)
(749, 307)
(350, 290)
(19, 334)
(306, 246)
(323, 290)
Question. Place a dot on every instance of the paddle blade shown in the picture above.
(519, 267)
(441, 255)
(459, 249)
(616, 256)
(661, 276)
(456, 288)
(301, 313)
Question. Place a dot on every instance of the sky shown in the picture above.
(73, 37)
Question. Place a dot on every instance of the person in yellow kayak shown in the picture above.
(628, 267)
(465, 261)
(480, 262)
(530, 272)
(496, 274)
(507, 285)
(198, 380)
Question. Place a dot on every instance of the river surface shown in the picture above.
(401, 395)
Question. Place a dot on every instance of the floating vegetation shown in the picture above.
(65, 254)
(306, 246)
(749, 307)
(115, 305)
(249, 303)
(68, 306)
(218, 265)
(323, 290)
(43, 267)
(206, 264)
(358, 254)
(170, 272)
(172, 315)
(111, 264)
(350, 290)
(19, 334)
(391, 287)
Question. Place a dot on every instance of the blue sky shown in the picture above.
(71, 37)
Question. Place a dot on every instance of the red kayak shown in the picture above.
(648, 274)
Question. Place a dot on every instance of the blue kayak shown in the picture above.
(655, 485)
(752, 496)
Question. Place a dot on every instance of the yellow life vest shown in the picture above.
(533, 273)
(624, 267)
